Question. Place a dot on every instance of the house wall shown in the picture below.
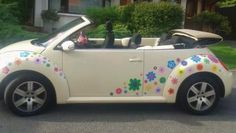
(39, 6)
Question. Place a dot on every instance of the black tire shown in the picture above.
(40, 85)
(197, 81)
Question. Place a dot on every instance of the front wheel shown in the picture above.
(199, 95)
(28, 95)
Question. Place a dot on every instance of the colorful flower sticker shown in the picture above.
(171, 91)
(5, 70)
(206, 61)
(118, 91)
(155, 67)
(161, 70)
(134, 84)
(155, 83)
(178, 60)
(214, 68)
(17, 62)
(24, 54)
(111, 93)
(174, 81)
(162, 80)
(37, 61)
(181, 72)
(158, 90)
(190, 70)
(213, 58)
(199, 67)
(184, 63)
(171, 64)
(195, 58)
(151, 76)
(148, 87)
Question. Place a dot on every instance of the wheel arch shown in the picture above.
(204, 74)
(11, 76)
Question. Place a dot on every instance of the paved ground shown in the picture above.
(122, 118)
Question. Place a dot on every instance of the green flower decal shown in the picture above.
(162, 80)
(134, 84)
(206, 61)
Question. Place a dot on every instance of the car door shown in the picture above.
(104, 72)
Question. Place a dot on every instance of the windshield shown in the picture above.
(45, 40)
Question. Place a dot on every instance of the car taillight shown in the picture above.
(223, 64)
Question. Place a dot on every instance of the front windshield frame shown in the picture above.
(47, 39)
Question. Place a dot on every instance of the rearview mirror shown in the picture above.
(68, 46)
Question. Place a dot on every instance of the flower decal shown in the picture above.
(184, 63)
(134, 84)
(148, 87)
(151, 76)
(174, 81)
(178, 60)
(199, 67)
(190, 70)
(171, 64)
(24, 54)
(161, 70)
(206, 61)
(195, 58)
(37, 61)
(171, 91)
(17, 62)
(158, 90)
(213, 58)
(214, 68)
(181, 72)
(5, 70)
(118, 91)
(162, 80)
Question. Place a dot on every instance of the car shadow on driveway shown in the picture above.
(226, 111)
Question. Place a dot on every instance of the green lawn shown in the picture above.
(226, 51)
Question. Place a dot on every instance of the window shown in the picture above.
(76, 6)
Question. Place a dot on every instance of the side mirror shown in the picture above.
(68, 46)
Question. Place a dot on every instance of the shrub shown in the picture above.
(213, 22)
(126, 13)
(100, 15)
(152, 19)
(119, 30)
(7, 13)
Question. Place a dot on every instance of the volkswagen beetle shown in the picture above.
(57, 69)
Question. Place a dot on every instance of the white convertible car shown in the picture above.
(57, 69)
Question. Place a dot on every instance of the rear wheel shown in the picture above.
(28, 95)
(199, 95)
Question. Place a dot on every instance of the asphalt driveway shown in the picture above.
(122, 118)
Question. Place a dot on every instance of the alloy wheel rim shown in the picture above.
(201, 96)
(29, 96)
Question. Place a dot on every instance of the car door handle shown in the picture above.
(135, 60)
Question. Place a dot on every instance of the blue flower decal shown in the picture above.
(151, 76)
(24, 54)
(171, 64)
(184, 63)
(196, 58)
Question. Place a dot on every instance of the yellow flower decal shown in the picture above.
(149, 87)
(181, 72)
(214, 68)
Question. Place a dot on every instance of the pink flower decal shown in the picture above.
(213, 58)
(174, 81)
(56, 69)
(37, 61)
(161, 70)
(5, 70)
(189, 70)
(178, 60)
(118, 91)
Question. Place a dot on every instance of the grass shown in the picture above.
(226, 52)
